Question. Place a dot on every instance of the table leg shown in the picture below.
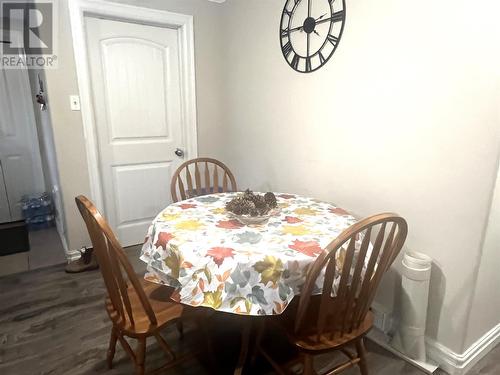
(245, 343)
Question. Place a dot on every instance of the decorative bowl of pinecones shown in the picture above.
(250, 208)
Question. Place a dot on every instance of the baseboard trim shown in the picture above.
(458, 364)
(383, 340)
(64, 242)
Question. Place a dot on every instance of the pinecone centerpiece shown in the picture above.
(251, 208)
(270, 199)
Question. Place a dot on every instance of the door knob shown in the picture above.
(179, 152)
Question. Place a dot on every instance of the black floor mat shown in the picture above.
(14, 238)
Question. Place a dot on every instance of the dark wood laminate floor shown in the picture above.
(55, 323)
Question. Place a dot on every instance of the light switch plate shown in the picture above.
(74, 102)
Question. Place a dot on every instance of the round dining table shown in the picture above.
(212, 260)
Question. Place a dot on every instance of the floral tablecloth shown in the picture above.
(215, 261)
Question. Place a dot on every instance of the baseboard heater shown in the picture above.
(14, 238)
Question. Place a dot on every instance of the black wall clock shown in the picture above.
(310, 32)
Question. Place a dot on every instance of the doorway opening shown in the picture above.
(32, 233)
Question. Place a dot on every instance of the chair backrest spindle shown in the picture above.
(206, 179)
(358, 266)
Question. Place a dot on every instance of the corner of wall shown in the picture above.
(458, 364)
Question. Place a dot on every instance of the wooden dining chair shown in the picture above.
(333, 321)
(137, 308)
(201, 176)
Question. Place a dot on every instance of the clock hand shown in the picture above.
(336, 17)
(301, 28)
(296, 29)
(309, 8)
(315, 32)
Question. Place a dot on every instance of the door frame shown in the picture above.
(78, 10)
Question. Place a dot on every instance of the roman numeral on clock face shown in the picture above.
(308, 64)
(337, 16)
(287, 48)
(295, 61)
(332, 39)
(321, 58)
(284, 32)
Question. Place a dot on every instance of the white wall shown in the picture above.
(403, 118)
(485, 309)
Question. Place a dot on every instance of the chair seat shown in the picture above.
(326, 342)
(164, 309)
(311, 342)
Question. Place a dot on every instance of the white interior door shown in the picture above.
(135, 80)
(20, 163)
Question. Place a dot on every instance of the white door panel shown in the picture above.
(128, 67)
(137, 109)
(136, 207)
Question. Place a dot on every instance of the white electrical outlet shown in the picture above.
(74, 101)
